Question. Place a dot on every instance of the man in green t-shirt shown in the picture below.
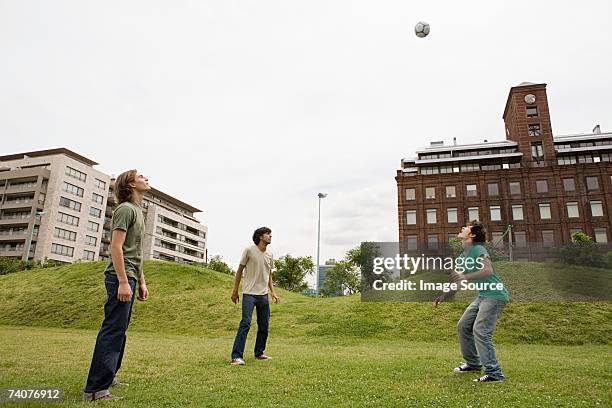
(120, 278)
(475, 328)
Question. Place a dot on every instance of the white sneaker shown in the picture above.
(237, 361)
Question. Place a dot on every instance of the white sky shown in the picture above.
(247, 109)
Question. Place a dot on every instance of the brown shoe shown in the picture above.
(263, 357)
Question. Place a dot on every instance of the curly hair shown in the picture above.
(479, 232)
(259, 232)
(123, 189)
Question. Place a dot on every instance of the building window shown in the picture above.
(520, 239)
(585, 158)
(432, 216)
(495, 212)
(62, 249)
(95, 212)
(451, 192)
(429, 170)
(537, 151)
(451, 214)
(471, 190)
(596, 209)
(88, 255)
(432, 241)
(569, 184)
(97, 198)
(470, 167)
(410, 194)
(592, 183)
(66, 202)
(76, 174)
(411, 217)
(446, 169)
(430, 193)
(606, 157)
(497, 237)
(548, 238)
(532, 111)
(493, 189)
(545, 211)
(64, 234)
(68, 219)
(515, 187)
(93, 226)
(473, 214)
(572, 210)
(601, 235)
(517, 212)
(534, 130)
(100, 184)
(542, 186)
(89, 240)
(562, 161)
(72, 189)
(411, 241)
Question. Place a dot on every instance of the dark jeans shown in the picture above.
(110, 343)
(259, 302)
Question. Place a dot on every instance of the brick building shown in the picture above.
(546, 187)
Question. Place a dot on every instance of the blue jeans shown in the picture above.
(261, 303)
(110, 342)
(475, 330)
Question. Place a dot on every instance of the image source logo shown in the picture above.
(390, 274)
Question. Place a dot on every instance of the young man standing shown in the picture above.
(475, 328)
(256, 263)
(120, 277)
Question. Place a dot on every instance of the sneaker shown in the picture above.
(488, 378)
(237, 361)
(91, 396)
(263, 357)
(117, 383)
(465, 368)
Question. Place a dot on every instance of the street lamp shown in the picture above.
(26, 256)
(320, 195)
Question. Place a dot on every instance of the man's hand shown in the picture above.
(275, 297)
(458, 277)
(143, 292)
(439, 300)
(124, 293)
(235, 297)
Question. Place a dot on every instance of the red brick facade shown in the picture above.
(536, 229)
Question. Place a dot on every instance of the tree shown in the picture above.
(582, 251)
(342, 278)
(216, 263)
(290, 272)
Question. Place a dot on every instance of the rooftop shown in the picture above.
(49, 152)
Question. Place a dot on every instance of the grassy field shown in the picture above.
(180, 371)
(327, 352)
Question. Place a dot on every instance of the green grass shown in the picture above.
(327, 352)
(180, 371)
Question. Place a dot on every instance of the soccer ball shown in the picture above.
(421, 29)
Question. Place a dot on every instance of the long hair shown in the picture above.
(259, 232)
(123, 189)
(479, 232)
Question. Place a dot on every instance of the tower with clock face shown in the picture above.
(527, 122)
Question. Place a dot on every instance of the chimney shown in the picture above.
(597, 130)
(486, 141)
(454, 141)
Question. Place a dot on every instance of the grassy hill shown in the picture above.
(195, 301)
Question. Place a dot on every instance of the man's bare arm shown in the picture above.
(124, 293)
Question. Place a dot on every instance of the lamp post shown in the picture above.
(26, 256)
(320, 195)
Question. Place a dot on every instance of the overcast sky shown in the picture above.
(248, 109)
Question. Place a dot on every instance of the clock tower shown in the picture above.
(527, 122)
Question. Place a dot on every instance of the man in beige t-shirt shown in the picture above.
(256, 265)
